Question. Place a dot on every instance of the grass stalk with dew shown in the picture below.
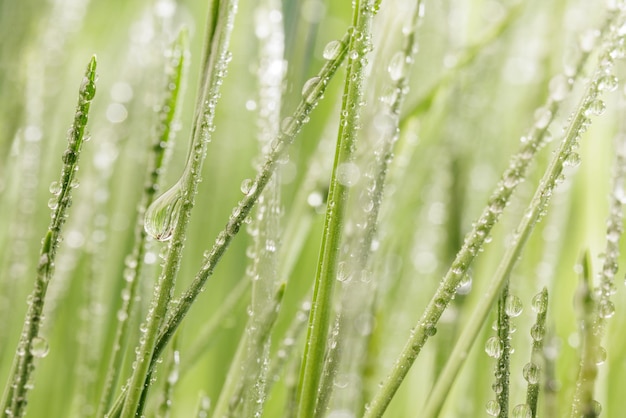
(320, 317)
(168, 216)
(169, 115)
(31, 344)
(532, 369)
(290, 127)
(590, 105)
(584, 404)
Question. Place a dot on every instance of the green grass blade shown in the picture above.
(31, 344)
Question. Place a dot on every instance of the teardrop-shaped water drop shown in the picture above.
(531, 373)
(332, 50)
(163, 213)
(310, 89)
(493, 408)
(55, 188)
(522, 411)
(493, 348)
(396, 66)
(540, 302)
(39, 347)
(513, 306)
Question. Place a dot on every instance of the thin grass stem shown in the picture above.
(31, 344)
(169, 215)
(319, 320)
(565, 155)
(169, 115)
(532, 369)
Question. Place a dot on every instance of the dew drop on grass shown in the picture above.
(606, 309)
(310, 89)
(558, 87)
(537, 332)
(493, 348)
(55, 188)
(608, 83)
(39, 347)
(572, 159)
(162, 214)
(539, 303)
(348, 174)
(531, 373)
(596, 107)
(248, 187)
(599, 355)
(396, 66)
(522, 411)
(53, 203)
(542, 117)
(493, 408)
(332, 50)
(513, 306)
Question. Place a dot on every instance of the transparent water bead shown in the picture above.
(39, 347)
(572, 159)
(543, 115)
(596, 108)
(396, 66)
(608, 83)
(163, 213)
(348, 174)
(522, 411)
(248, 187)
(513, 306)
(540, 303)
(332, 50)
(537, 332)
(493, 408)
(55, 188)
(531, 373)
(493, 348)
(558, 86)
(310, 89)
(606, 309)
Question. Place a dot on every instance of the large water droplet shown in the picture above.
(539, 303)
(310, 89)
(163, 213)
(531, 373)
(522, 411)
(348, 173)
(248, 187)
(55, 188)
(332, 50)
(493, 348)
(608, 83)
(396, 66)
(493, 408)
(513, 306)
(39, 347)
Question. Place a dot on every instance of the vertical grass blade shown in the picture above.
(165, 136)
(319, 321)
(220, 27)
(584, 406)
(31, 344)
(532, 369)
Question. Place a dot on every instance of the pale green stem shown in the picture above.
(289, 130)
(31, 345)
(220, 28)
(532, 369)
(319, 320)
(502, 371)
(168, 116)
(584, 405)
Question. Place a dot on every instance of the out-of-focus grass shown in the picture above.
(449, 157)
